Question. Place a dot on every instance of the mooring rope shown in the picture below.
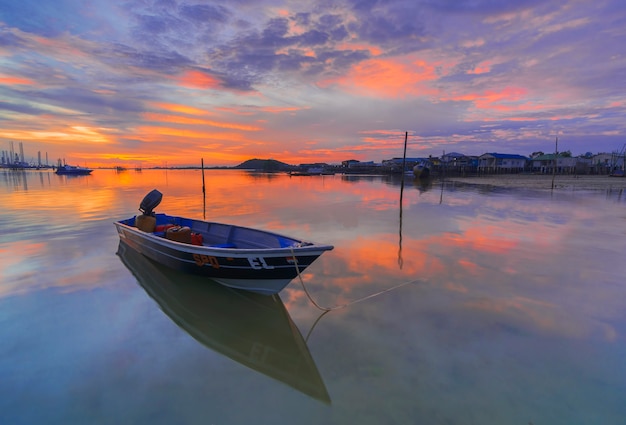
(315, 324)
(358, 300)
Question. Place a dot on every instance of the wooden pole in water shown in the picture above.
(406, 137)
(203, 190)
(202, 165)
(400, 260)
(556, 154)
(443, 176)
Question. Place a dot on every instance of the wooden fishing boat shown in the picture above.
(235, 256)
(251, 329)
(421, 170)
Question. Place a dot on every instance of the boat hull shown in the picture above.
(264, 270)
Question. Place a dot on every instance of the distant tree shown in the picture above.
(536, 154)
(566, 154)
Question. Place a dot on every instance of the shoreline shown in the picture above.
(544, 181)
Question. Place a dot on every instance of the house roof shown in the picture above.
(399, 160)
(545, 157)
(453, 155)
(504, 155)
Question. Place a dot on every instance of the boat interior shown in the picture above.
(216, 235)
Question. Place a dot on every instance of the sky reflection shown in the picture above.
(501, 306)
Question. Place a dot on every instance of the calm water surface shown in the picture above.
(497, 306)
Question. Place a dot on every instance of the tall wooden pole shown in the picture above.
(443, 176)
(556, 154)
(203, 191)
(400, 260)
(406, 137)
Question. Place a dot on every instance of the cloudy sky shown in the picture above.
(172, 81)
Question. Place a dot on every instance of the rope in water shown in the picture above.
(358, 300)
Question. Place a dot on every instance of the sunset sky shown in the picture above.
(155, 82)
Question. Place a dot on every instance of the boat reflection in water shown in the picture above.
(252, 329)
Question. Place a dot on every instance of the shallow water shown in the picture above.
(473, 305)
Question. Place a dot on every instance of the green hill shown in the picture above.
(264, 165)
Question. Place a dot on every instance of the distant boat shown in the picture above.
(235, 256)
(422, 170)
(71, 170)
(251, 329)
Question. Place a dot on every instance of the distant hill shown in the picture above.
(263, 165)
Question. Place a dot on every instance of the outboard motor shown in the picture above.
(147, 220)
(150, 202)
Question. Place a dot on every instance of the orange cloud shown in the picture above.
(251, 110)
(62, 135)
(185, 120)
(505, 100)
(184, 109)
(388, 78)
(11, 80)
(150, 133)
(198, 79)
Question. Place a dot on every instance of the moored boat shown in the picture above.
(73, 170)
(235, 256)
(421, 170)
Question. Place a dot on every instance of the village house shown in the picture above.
(349, 162)
(353, 165)
(455, 162)
(560, 164)
(608, 163)
(395, 164)
(501, 162)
